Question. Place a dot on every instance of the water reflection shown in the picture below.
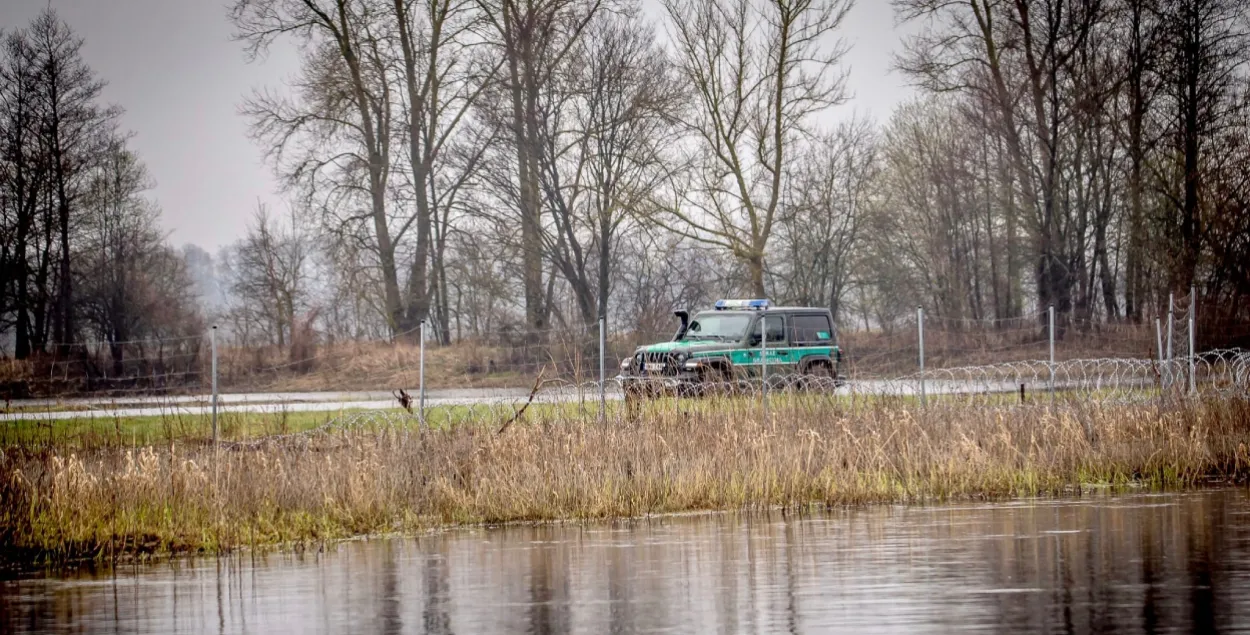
(1140, 563)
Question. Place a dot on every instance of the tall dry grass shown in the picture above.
(673, 456)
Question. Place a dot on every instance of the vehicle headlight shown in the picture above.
(681, 357)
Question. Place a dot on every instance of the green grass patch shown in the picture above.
(106, 430)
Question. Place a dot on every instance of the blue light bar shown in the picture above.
(758, 305)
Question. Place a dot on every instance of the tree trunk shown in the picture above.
(1190, 238)
(40, 307)
(418, 155)
(1135, 254)
(755, 265)
(117, 352)
(22, 345)
(373, 138)
(524, 124)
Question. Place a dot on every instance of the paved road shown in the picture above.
(191, 405)
(270, 403)
(255, 397)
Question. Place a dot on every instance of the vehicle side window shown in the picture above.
(812, 329)
(775, 326)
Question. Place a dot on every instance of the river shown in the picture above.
(1131, 563)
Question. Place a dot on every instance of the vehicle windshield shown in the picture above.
(714, 326)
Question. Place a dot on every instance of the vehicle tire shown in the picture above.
(821, 376)
(716, 380)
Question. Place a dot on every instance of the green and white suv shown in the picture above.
(725, 345)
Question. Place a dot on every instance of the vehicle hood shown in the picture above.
(684, 347)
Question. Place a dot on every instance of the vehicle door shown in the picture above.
(811, 339)
(777, 354)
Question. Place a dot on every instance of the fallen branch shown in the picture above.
(538, 382)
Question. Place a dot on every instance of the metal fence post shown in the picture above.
(421, 378)
(1050, 311)
(603, 369)
(1159, 343)
(213, 345)
(920, 335)
(764, 363)
(1171, 322)
(1193, 381)
(1193, 323)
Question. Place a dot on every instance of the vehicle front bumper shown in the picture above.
(683, 377)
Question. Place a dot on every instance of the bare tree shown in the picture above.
(1140, 34)
(443, 81)
(25, 171)
(605, 131)
(1205, 43)
(925, 227)
(534, 39)
(132, 285)
(54, 126)
(269, 285)
(72, 122)
(823, 210)
(988, 46)
(760, 70)
(341, 129)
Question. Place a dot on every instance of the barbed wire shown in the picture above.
(1224, 372)
(94, 341)
(511, 356)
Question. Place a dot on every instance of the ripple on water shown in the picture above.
(893, 569)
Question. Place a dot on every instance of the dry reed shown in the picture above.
(675, 455)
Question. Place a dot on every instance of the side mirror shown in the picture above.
(754, 339)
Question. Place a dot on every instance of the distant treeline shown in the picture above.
(81, 249)
(495, 165)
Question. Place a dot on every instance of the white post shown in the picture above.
(213, 345)
(421, 376)
(920, 334)
(764, 363)
(603, 369)
(1051, 318)
(1159, 342)
(1171, 330)
(1193, 322)
(1193, 386)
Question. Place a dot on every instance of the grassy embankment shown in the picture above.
(103, 497)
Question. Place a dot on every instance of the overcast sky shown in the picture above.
(172, 66)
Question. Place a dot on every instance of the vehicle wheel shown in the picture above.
(716, 381)
(821, 376)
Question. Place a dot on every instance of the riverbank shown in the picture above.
(379, 477)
